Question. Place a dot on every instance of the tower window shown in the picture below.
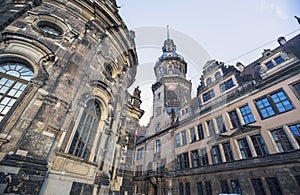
(86, 130)
(14, 77)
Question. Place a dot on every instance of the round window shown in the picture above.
(50, 28)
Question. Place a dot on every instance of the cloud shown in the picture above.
(283, 8)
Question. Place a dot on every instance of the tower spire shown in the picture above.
(168, 32)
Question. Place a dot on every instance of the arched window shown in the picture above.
(86, 130)
(217, 75)
(14, 77)
(208, 81)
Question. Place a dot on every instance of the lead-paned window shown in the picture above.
(235, 121)
(193, 134)
(187, 189)
(221, 124)
(224, 187)
(273, 186)
(208, 188)
(244, 148)
(211, 127)
(257, 186)
(178, 142)
(228, 152)
(14, 77)
(86, 130)
(195, 158)
(200, 132)
(273, 104)
(235, 186)
(247, 114)
(200, 188)
(216, 154)
(259, 145)
(281, 140)
(295, 129)
(183, 136)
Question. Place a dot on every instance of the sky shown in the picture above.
(229, 31)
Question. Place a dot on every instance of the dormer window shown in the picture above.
(208, 81)
(279, 60)
(226, 85)
(217, 75)
(270, 65)
(208, 95)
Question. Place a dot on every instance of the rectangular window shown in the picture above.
(235, 121)
(265, 108)
(275, 103)
(281, 101)
(235, 186)
(186, 163)
(228, 152)
(181, 192)
(187, 189)
(183, 136)
(226, 85)
(138, 157)
(296, 88)
(195, 158)
(211, 127)
(140, 153)
(178, 142)
(281, 140)
(221, 125)
(200, 188)
(204, 157)
(216, 155)
(270, 65)
(259, 145)
(295, 129)
(224, 187)
(244, 148)
(200, 132)
(179, 162)
(208, 188)
(247, 114)
(279, 60)
(193, 134)
(257, 186)
(208, 95)
(273, 186)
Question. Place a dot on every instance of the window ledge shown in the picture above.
(75, 158)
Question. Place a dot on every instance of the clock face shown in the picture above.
(171, 86)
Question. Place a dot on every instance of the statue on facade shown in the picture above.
(137, 93)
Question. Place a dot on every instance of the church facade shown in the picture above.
(240, 134)
(65, 67)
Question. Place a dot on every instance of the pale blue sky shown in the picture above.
(216, 29)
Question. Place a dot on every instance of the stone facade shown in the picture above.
(65, 70)
(240, 134)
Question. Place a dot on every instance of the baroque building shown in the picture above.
(65, 67)
(240, 134)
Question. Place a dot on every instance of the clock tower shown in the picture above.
(172, 89)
